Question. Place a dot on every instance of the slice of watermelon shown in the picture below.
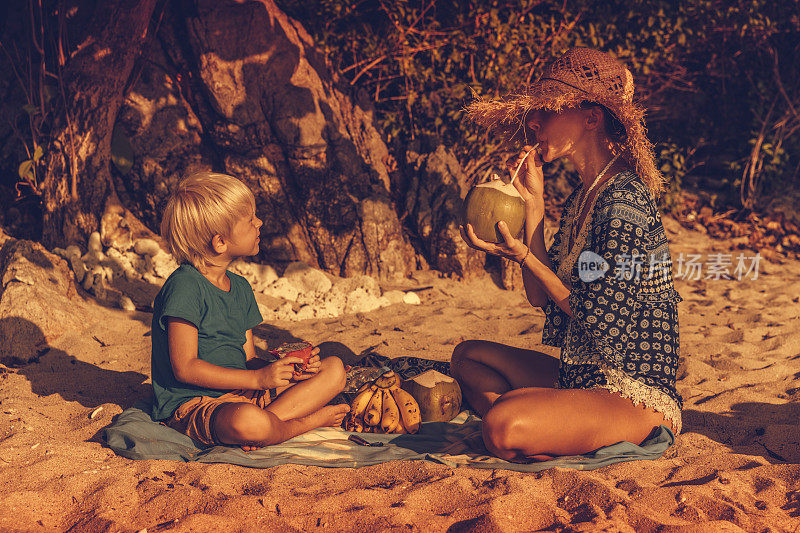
(295, 349)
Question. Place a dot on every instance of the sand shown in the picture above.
(733, 468)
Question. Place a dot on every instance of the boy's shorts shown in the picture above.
(196, 417)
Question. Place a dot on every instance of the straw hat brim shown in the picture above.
(506, 116)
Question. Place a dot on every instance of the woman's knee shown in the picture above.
(463, 351)
(501, 432)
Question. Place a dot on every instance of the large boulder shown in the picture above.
(268, 110)
(434, 193)
(38, 299)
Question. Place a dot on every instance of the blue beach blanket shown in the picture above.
(135, 435)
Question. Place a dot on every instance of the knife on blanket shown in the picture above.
(362, 442)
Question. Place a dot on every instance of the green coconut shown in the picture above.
(438, 395)
(489, 203)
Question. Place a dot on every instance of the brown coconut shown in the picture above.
(489, 203)
(438, 396)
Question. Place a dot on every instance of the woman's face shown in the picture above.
(558, 134)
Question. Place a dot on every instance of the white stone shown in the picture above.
(282, 288)
(360, 301)
(136, 262)
(146, 247)
(411, 298)
(394, 297)
(126, 303)
(259, 276)
(60, 252)
(94, 243)
(307, 278)
(73, 251)
(78, 267)
(327, 309)
(306, 312)
(92, 258)
(163, 264)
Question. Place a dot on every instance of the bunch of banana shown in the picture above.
(381, 406)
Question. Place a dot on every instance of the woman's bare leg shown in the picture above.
(486, 370)
(539, 423)
(305, 397)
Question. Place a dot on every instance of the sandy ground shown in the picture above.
(734, 467)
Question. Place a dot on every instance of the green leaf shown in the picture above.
(30, 109)
(37, 153)
(25, 169)
(121, 151)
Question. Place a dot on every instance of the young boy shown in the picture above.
(207, 380)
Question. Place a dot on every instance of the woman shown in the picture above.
(618, 334)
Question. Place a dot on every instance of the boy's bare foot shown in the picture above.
(330, 415)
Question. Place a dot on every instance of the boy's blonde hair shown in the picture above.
(203, 205)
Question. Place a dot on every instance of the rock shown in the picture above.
(94, 244)
(126, 303)
(435, 191)
(360, 301)
(163, 264)
(269, 110)
(73, 251)
(120, 264)
(283, 312)
(259, 275)
(92, 258)
(306, 312)
(146, 247)
(282, 288)
(307, 279)
(411, 298)
(119, 228)
(78, 268)
(38, 300)
(394, 297)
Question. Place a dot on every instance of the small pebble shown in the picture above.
(126, 303)
(411, 298)
(94, 243)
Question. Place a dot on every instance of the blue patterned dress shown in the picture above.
(624, 336)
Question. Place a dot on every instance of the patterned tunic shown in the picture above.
(624, 336)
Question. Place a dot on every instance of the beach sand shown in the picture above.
(733, 468)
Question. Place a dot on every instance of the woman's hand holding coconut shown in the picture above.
(529, 183)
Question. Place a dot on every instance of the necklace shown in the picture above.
(585, 196)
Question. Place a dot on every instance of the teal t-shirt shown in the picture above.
(222, 318)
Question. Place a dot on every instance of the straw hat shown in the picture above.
(580, 75)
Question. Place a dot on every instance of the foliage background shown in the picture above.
(720, 79)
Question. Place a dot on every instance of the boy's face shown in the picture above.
(245, 239)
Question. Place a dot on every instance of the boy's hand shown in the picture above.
(278, 373)
(312, 367)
